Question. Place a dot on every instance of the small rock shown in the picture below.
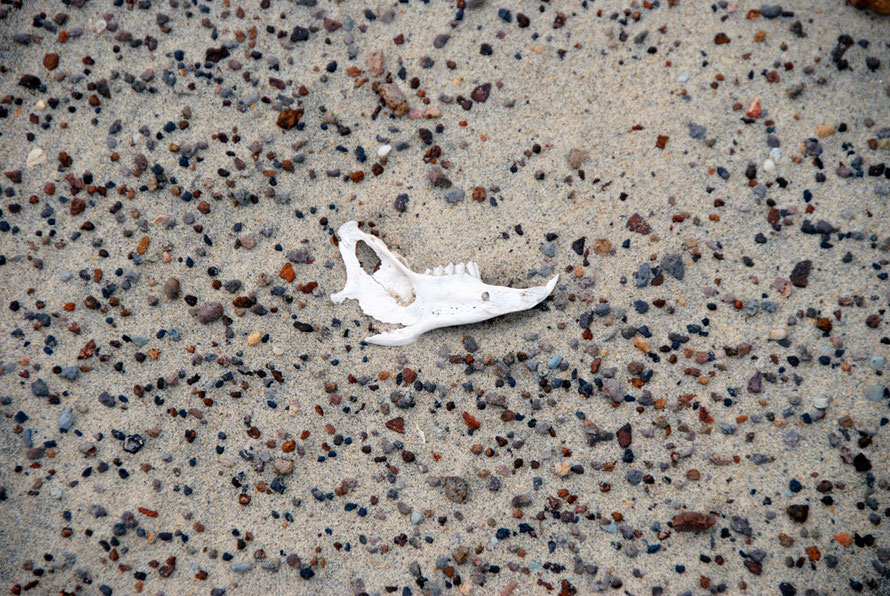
(480, 93)
(624, 435)
(210, 312)
(454, 195)
(289, 118)
(395, 99)
(636, 223)
(690, 521)
(171, 288)
(577, 157)
(456, 489)
(826, 130)
(39, 388)
(283, 466)
(801, 273)
(876, 392)
(798, 513)
(66, 418)
(374, 62)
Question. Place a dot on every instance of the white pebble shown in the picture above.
(769, 165)
(778, 334)
(684, 76)
(820, 402)
(384, 150)
(775, 153)
(35, 157)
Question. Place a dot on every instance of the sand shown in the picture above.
(716, 345)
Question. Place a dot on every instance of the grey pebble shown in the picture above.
(673, 264)
(549, 249)
(70, 372)
(876, 392)
(66, 418)
(634, 477)
(770, 11)
(455, 195)
(697, 131)
(39, 388)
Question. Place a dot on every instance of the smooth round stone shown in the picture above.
(877, 362)
(416, 517)
(876, 392)
(769, 165)
(820, 402)
(778, 334)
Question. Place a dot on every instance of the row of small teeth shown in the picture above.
(470, 268)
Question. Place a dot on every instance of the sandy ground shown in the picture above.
(716, 344)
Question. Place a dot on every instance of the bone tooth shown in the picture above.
(473, 268)
(449, 269)
(437, 270)
(459, 268)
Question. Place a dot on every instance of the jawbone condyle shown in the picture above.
(445, 296)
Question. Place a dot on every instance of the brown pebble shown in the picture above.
(636, 223)
(480, 93)
(210, 312)
(288, 118)
(51, 61)
(171, 288)
(456, 489)
(396, 425)
(143, 245)
(77, 206)
(624, 435)
(690, 521)
(798, 513)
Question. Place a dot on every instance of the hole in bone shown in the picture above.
(394, 282)
(367, 258)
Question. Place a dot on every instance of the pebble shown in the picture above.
(283, 466)
(36, 157)
(454, 195)
(171, 288)
(877, 392)
(66, 418)
(577, 157)
(210, 312)
(456, 489)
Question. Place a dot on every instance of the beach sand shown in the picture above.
(701, 406)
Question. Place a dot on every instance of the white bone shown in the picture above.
(423, 301)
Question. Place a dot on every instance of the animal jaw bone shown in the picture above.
(445, 296)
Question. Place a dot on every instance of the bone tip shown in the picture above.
(552, 283)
